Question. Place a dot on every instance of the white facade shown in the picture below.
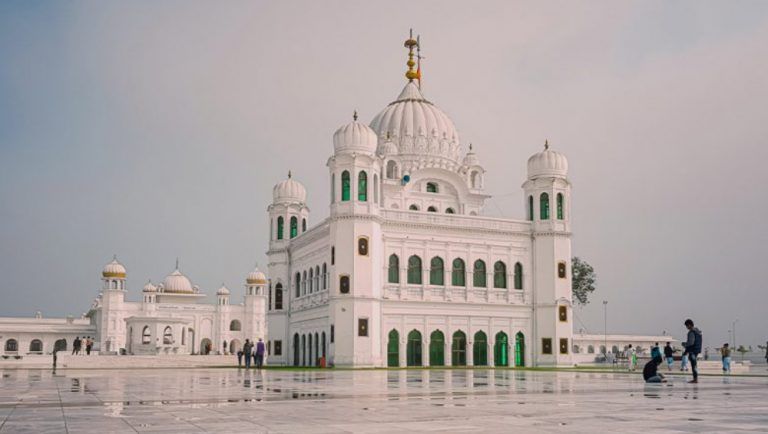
(406, 271)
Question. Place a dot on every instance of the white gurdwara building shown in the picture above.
(406, 271)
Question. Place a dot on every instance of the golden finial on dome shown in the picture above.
(354, 116)
(409, 44)
(289, 174)
(546, 144)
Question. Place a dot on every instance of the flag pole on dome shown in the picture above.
(418, 59)
(409, 44)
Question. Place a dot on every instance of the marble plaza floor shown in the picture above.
(315, 401)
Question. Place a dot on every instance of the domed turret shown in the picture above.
(289, 190)
(149, 287)
(114, 270)
(547, 163)
(471, 158)
(223, 290)
(355, 137)
(256, 277)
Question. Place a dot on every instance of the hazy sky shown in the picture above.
(156, 130)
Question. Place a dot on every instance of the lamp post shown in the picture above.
(734, 334)
(605, 330)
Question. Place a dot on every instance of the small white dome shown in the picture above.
(471, 158)
(547, 163)
(114, 269)
(355, 137)
(387, 148)
(149, 287)
(289, 190)
(178, 283)
(223, 290)
(256, 277)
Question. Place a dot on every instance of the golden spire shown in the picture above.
(409, 44)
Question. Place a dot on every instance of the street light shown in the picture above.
(734, 334)
(605, 330)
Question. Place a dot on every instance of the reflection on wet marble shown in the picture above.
(231, 400)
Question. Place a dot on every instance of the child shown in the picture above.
(650, 371)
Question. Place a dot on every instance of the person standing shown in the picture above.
(247, 350)
(669, 354)
(55, 356)
(259, 355)
(239, 358)
(76, 345)
(655, 351)
(725, 352)
(88, 345)
(631, 357)
(693, 347)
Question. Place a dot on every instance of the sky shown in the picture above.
(156, 130)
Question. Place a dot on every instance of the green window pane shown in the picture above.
(459, 349)
(530, 208)
(499, 275)
(413, 353)
(480, 349)
(436, 271)
(544, 206)
(345, 186)
(362, 187)
(393, 349)
(459, 273)
(518, 276)
(519, 349)
(501, 350)
(437, 348)
(280, 224)
(414, 270)
(393, 269)
(479, 274)
(294, 227)
(560, 206)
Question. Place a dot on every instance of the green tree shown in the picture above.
(743, 350)
(583, 280)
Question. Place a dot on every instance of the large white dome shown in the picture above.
(355, 137)
(547, 163)
(418, 128)
(289, 190)
(177, 283)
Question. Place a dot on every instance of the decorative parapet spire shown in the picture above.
(410, 43)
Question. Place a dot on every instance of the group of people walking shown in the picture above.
(692, 348)
(77, 345)
(252, 352)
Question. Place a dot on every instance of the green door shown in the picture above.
(480, 349)
(459, 349)
(519, 349)
(437, 348)
(393, 349)
(414, 348)
(500, 350)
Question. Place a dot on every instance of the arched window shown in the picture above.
(344, 284)
(317, 277)
(325, 276)
(375, 188)
(576, 349)
(345, 186)
(432, 187)
(303, 225)
(235, 326)
(279, 296)
(519, 349)
(280, 224)
(560, 206)
(393, 270)
(478, 274)
(391, 169)
(414, 270)
(393, 349)
(436, 271)
(304, 283)
(499, 275)
(362, 186)
(501, 350)
(36, 346)
(294, 227)
(459, 349)
(615, 349)
(449, 211)
(480, 349)
(298, 285)
(296, 350)
(437, 348)
(475, 179)
(311, 280)
(518, 275)
(413, 349)
(413, 207)
(431, 209)
(590, 349)
(168, 336)
(544, 206)
(530, 208)
(11, 346)
(459, 273)
(146, 335)
(602, 349)
(333, 255)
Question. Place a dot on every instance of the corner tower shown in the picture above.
(547, 203)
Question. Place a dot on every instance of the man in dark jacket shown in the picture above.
(669, 354)
(247, 352)
(259, 354)
(693, 347)
(651, 372)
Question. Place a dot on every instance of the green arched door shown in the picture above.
(519, 349)
(393, 349)
(459, 349)
(480, 349)
(501, 350)
(437, 348)
(414, 348)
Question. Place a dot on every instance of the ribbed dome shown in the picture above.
(547, 163)
(417, 126)
(289, 190)
(387, 148)
(114, 269)
(222, 291)
(178, 283)
(355, 137)
(256, 277)
(149, 287)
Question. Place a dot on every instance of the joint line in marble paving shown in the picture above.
(61, 406)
